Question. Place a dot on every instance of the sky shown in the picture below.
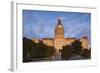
(41, 24)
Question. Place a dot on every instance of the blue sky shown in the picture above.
(41, 24)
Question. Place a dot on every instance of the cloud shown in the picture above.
(41, 24)
(75, 30)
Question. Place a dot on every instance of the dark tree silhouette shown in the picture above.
(32, 50)
(86, 53)
(66, 52)
(77, 47)
(72, 50)
(40, 50)
(27, 45)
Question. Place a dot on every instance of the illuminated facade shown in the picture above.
(60, 40)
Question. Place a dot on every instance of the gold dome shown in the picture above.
(59, 28)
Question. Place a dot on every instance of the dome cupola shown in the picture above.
(59, 30)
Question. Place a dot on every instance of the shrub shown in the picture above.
(77, 47)
(66, 52)
(86, 53)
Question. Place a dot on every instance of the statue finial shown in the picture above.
(59, 17)
(59, 20)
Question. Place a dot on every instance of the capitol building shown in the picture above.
(60, 40)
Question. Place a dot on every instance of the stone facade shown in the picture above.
(59, 39)
(48, 41)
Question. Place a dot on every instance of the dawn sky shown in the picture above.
(41, 24)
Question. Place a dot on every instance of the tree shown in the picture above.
(40, 50)
(66, 52)
(27, 45)
(86, 53)
(77, 47)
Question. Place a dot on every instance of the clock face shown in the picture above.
(60, 26)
